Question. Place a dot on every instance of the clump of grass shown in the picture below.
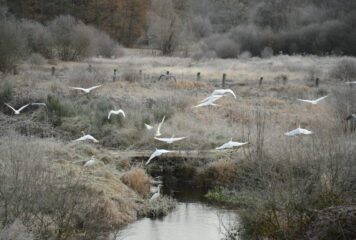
(107, 215)
(58, 109)
(186, 84)
(218, 173)
(290, 91)
(161, 109)
(100, 116)
(130, 76)
(159, 207)
(138, 180)
(83, 77)
(233, 198)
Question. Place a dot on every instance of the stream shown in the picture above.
(192, 219)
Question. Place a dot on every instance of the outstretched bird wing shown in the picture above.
(122, 112)
(92, 88)
(78, 88)
(232, 92)
(153, 155)
(178, 139)
(92, 138)
(319, 99)
(223, 91)
(158, 132)
(38, 104)
(291, 133)
(225, 145)
(307, 101)
(23, 107)
(13, 109)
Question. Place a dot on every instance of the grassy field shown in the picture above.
(260, 115)
(147, 100)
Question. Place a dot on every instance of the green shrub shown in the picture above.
(100, 117)
(162, 109)
(58, 109)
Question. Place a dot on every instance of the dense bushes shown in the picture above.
(73, 40)
(39, 38)
(58, 109)
(299, 27)
(138, 180)
(345, 70)
(281, 192)
(64, 37)
(42, 199)
(12, 44)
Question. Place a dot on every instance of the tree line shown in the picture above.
(216, 28)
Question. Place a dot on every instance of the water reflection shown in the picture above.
(189, 221)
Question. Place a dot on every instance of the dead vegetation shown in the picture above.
(285, 178)
(138, 180)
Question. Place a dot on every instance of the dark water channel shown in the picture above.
(192, 219)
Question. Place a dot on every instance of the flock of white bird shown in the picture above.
(209, 101)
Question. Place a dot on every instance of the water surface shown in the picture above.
(192, 219)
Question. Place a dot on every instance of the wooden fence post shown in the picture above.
(317, 82)
(198, 76)
(260, 82)
(53, 71)
(223, 80)
(114, 76)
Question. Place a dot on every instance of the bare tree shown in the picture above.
(165, 26)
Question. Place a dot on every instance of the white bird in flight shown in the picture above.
(169, 140)
(231, 144)
(116, 113)
(157, 194)
(298, 131)
(17, 112)
(86, 137)
(158, 132)
(91, 162)
(209, 101)
(312, 101)
(86, 90)
(157, 153)
(148, 127)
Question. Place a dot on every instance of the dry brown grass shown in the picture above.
(219, 173)
(186, 84)
(274, 102)
(291, 90)
(138, 180)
